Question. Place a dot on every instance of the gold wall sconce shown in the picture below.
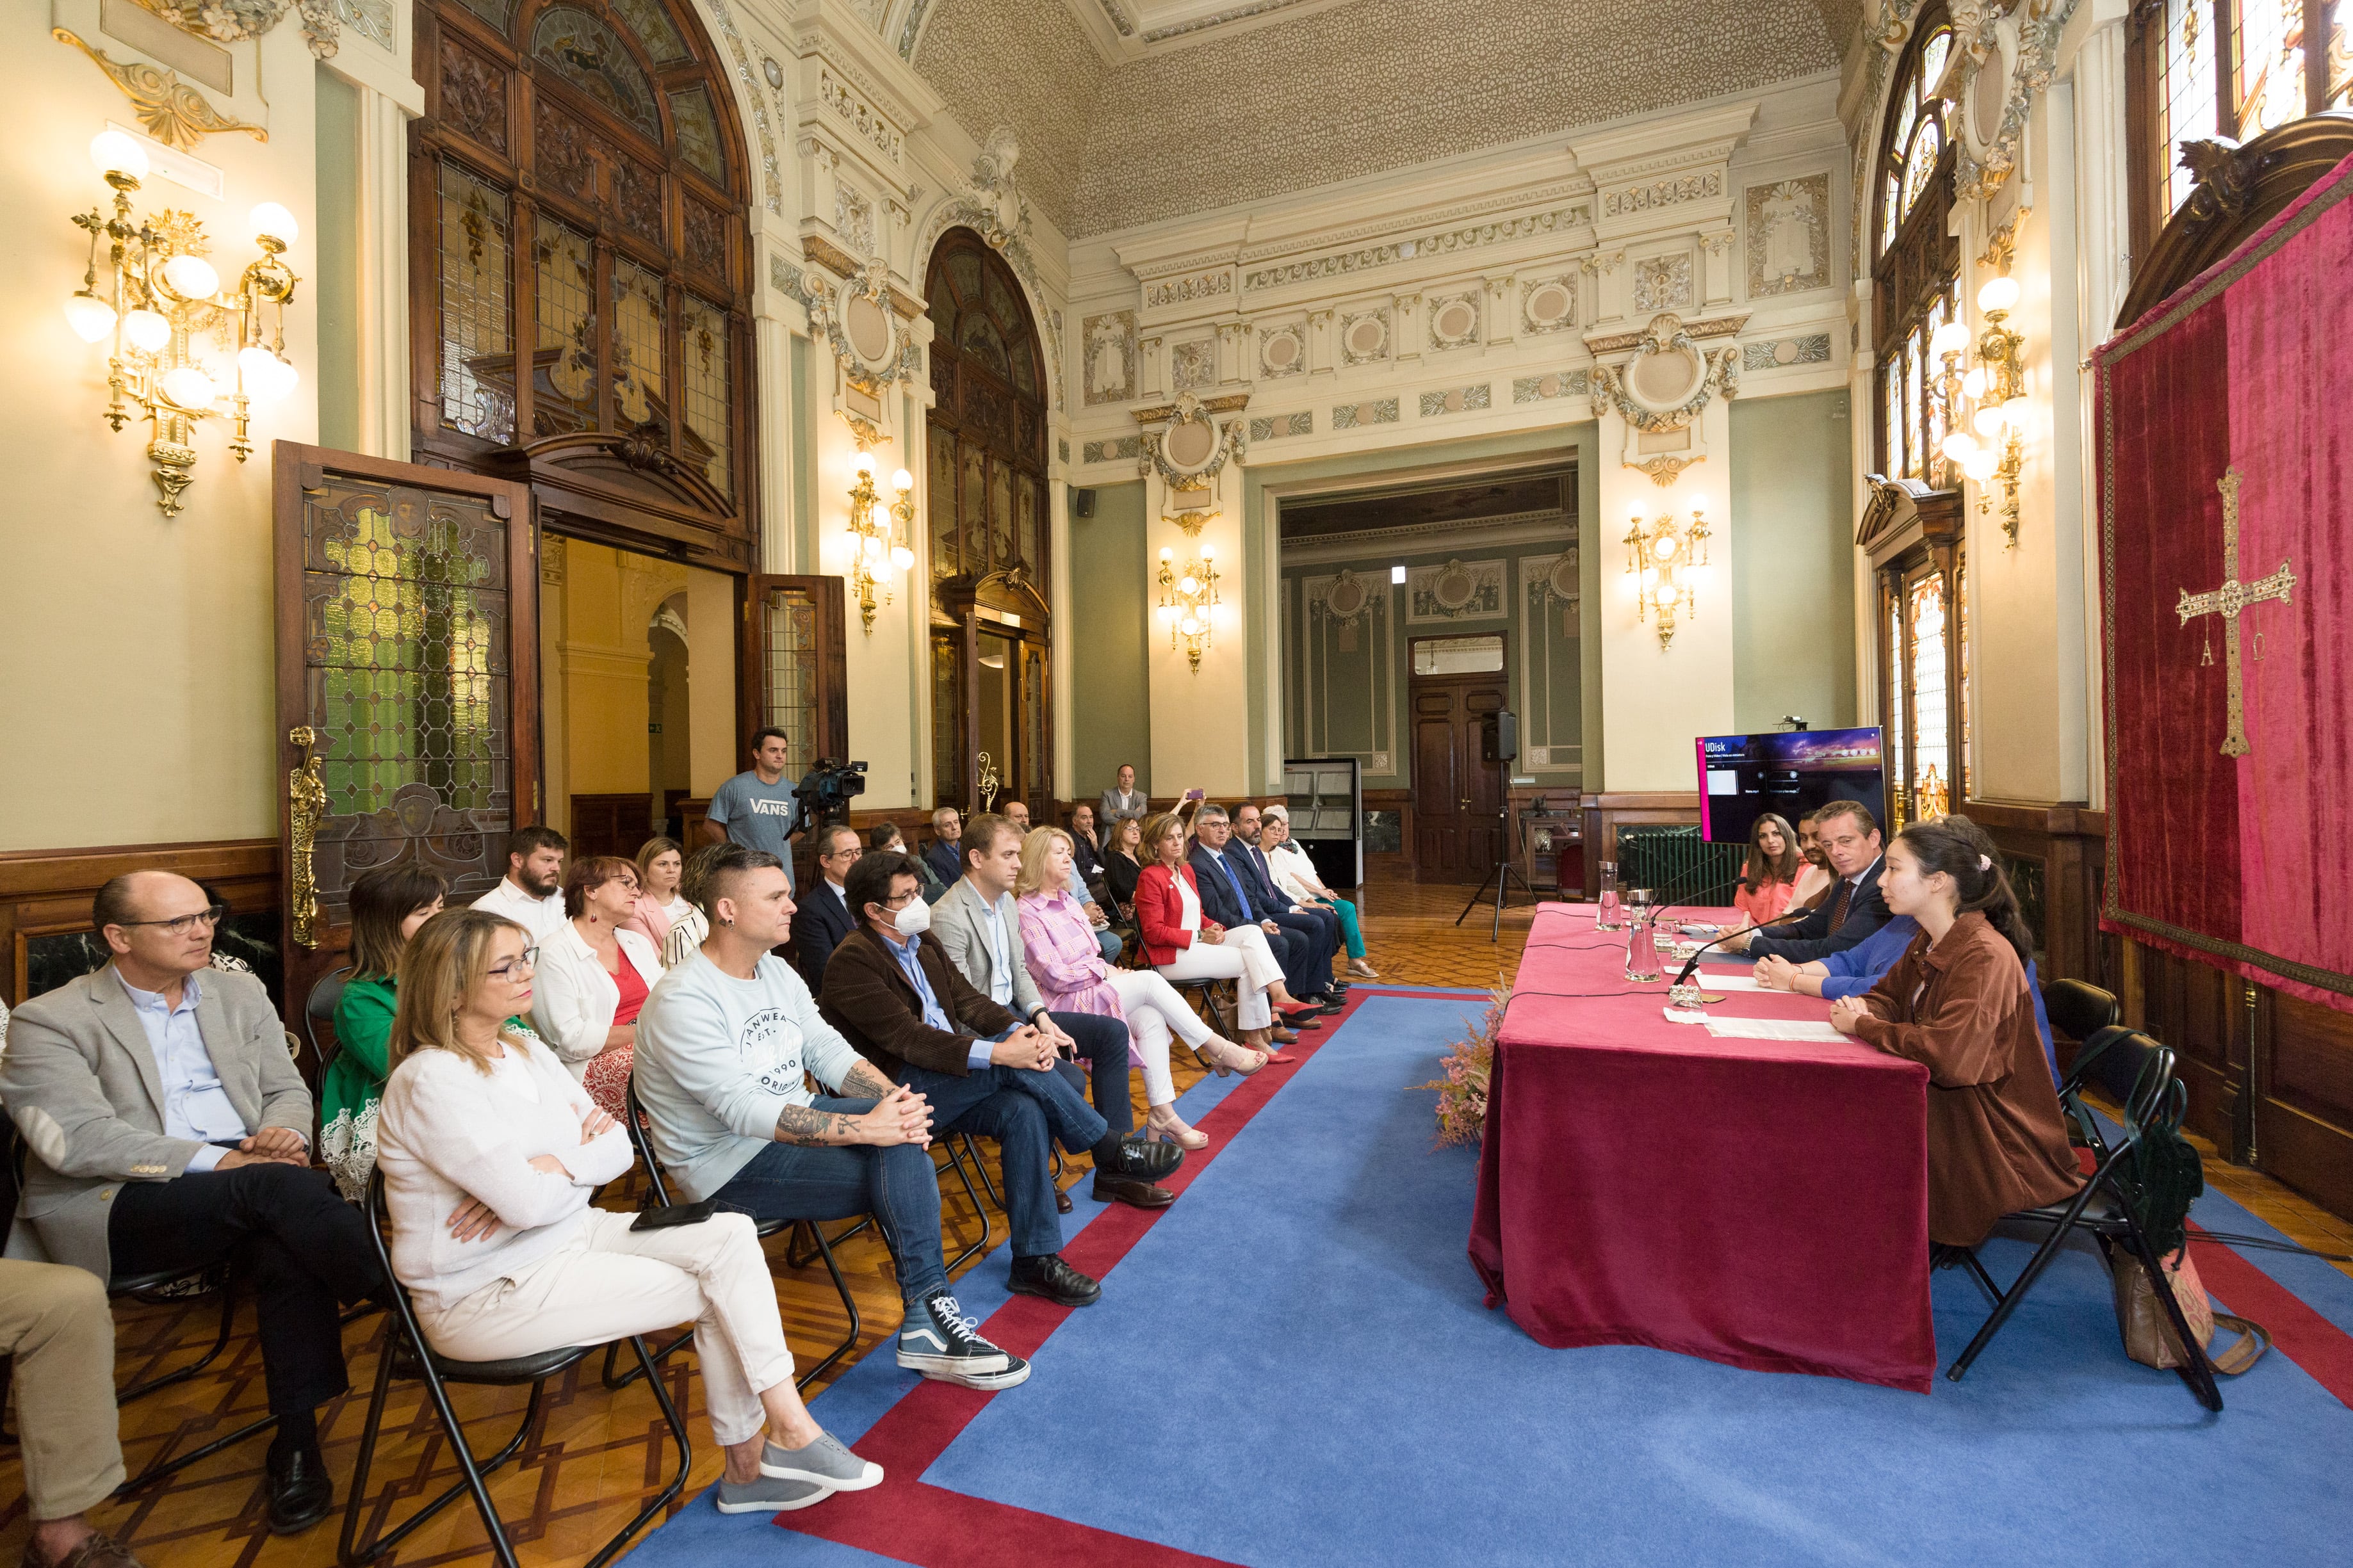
(1663, 556)
(1188, 596)
(1991, 448)
(875, 546)
(156, 296)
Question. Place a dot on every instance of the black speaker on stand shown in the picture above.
(1500, 742)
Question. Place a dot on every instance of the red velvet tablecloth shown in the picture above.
(1759, 1203)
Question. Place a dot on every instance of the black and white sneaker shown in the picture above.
(940, 1342)
(1017, 1371)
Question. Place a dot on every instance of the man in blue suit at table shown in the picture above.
(1227, 885)
(822, 919)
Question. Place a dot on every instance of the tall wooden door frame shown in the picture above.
(830, 730)
(1472, 863)
(296, 470)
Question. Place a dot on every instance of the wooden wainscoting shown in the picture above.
(1391, 865)
(611, 823)
(2057, 856)
(2300, 1121)
(45, 893)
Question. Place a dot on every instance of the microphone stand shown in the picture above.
(1692, 963)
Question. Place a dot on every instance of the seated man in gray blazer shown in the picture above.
(975, 925)
(167, 1130)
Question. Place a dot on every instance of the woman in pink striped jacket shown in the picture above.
(1066, 962)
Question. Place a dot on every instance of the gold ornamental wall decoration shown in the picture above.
(167, 108)
(306, 800)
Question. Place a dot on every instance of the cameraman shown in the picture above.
(758, 809)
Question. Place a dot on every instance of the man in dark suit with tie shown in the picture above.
(823, 918)
(1225, 886)
(1322, 926)
(945, 854)
(1848, 836)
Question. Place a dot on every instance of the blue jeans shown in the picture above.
(899, 1185)
(1103, 1049)
(1023, 1111)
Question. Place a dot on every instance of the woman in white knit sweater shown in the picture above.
(489, 1150)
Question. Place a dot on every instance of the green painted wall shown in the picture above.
(1792, 572)
(337, 279)
(1111, 622)
(1563, 441)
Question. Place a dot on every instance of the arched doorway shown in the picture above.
(991, 641)
(578, 268)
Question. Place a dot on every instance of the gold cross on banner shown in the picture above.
(2230, 601)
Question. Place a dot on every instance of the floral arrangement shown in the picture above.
(1463, 1090)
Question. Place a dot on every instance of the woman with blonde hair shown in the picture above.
(1184, 944)
(1059, 947)
(489, 1152)
(661, 903)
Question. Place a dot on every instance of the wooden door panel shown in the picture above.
(407, 633)
(795, 672)
(2304, 1115)
(2200, 1012)
(1457, 794)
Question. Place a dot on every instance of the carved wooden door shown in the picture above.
(1457, 792)
(407, 731)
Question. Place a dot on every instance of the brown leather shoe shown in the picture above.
(1132, 1192)
(97, 1550)
(1061, 1202)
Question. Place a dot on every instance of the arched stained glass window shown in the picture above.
(582, 249)
(1916, 274)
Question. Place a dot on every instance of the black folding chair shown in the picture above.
(635, 1122)
(2080, 1011)
(2152, 1102)
(406, 1354)
(216, 1275)
(319, 1010)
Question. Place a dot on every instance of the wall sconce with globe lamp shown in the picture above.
(1188, 596)
(875, 546)
(1663, 555)
(1994, 388)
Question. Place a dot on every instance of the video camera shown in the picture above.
(826, 790)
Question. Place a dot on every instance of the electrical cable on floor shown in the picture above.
(2268, 1244)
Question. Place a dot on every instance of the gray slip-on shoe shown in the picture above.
(825, 1461)
(765, 1494)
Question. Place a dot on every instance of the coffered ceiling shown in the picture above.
(1134, 111)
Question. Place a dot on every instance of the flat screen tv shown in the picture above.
(1790, 774)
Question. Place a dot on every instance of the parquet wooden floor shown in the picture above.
(597, 1456)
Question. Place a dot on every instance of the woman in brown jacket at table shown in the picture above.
(1958, 1003)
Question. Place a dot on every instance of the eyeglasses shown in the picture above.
(180, 925)
(524, 964)
(902, 900)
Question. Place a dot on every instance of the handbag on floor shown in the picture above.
(2149, 1332)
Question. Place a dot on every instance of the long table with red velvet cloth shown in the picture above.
(1759, 1203)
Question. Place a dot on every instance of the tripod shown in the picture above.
(1506, 872)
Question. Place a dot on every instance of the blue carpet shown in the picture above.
(1293, 1367)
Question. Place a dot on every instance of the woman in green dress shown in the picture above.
(387, 906)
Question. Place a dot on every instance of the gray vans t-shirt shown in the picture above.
(757, 815)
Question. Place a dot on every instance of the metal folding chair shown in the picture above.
(406, 1354)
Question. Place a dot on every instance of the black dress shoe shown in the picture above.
(1061, 1202)
(1129, 1191)
(1142, 1159)
(301, 1491)
(1054, 1280)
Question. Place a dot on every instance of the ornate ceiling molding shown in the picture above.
(1697, 331)
(1418, 248)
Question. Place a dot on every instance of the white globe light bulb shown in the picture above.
(1959, 445)
(1986, 421)
(146, 329)
(901, 557)
(90, 317)
(1189, 584)
(1973, 383)
(866, 463)
(1950, 338)
(266, 377)
(1663, 594)
(903, 481)
(118, 153)
(1980, 466)
(1167, 612)
(1166, 553)
(189, 388)
(1999, 294)
(274, 222)
(190, 277)
(1188, 626)
(1208, 553)
(1663, 546)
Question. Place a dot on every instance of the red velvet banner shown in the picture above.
(2226, 470)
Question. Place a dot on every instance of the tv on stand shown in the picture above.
(1788, 774)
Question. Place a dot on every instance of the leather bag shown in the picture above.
(2149, 1332)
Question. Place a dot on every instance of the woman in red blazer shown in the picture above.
(1184, 944)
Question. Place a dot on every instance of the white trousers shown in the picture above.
(1242, 956)
(1154, 1011)
(610, 1281)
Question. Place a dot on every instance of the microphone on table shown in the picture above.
(1692, 963)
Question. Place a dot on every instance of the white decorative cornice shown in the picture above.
(1418, 248)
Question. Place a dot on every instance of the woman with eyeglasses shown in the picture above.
(661, 865)
(389, 905)
(489, 1150)
(595, 974)
(1059, 948)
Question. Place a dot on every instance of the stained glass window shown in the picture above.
(610, 337)
(2189, 96)
(1915, 273)
(2271, 64)
(789, 649)
(1930, 755)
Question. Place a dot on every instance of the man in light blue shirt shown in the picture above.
(195, 1106)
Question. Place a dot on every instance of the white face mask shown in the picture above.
(914, 920)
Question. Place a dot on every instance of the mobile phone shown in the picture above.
(1197, 795)
(676, 1214)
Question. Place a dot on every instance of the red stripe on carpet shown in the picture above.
(917, 1523)
(2299, 1333)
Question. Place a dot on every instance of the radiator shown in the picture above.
(1678, 865)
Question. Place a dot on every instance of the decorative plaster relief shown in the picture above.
(1453, 321)
(1282, 351)
(1194, 286)
(1788, 236)
(1283, 425)
(1459, 400)
(1781, 352)
(1110, 356)
(853, 220)
(1458, 591)
(371, 19)
(1193, 367)
(1116, 15)
(1662, 193)
(772, 187)
(867, 122)
(1982, 164)
(1126, 447)
(1549, 304)
(1664, 283)
(1215, 18)
(1364, 336)
(1544, 388)
(1353, 415)
(1439, 243)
